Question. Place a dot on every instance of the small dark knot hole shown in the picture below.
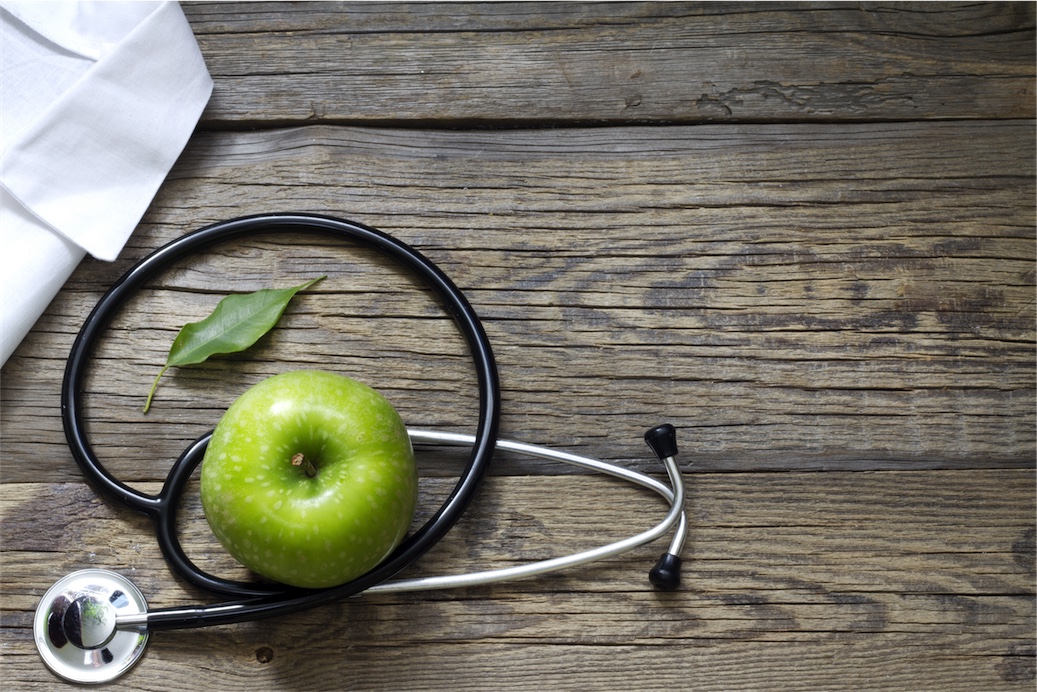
(264, 654)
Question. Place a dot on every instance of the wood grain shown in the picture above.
(803, 233)
(541, 63)
(861, 571)
(868, 313)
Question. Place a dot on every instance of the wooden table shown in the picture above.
(802, 233)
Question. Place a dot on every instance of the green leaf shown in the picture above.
(236, 323)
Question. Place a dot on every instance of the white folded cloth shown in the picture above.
(99, 99)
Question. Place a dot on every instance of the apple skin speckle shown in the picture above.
(315, 531)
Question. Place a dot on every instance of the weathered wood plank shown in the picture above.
(537, 63)
(838, 278)
(872, 571)
(788, 296)
(182, 660)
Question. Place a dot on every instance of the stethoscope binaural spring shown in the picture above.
(93, 625)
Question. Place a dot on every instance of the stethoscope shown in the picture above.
(93, 625)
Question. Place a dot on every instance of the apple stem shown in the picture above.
(299, 459)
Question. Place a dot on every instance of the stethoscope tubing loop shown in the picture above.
(162, 507)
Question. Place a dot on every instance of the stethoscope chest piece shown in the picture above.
(76, 626)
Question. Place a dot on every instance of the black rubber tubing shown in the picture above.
(266, 600)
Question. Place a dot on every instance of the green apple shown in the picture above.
(309, 479)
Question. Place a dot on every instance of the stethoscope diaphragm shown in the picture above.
(76, 626)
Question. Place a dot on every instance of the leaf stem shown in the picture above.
(154, 386)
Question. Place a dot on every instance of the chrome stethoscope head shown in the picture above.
(77, 628)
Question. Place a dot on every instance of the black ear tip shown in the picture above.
(663, 440)
(666, 575)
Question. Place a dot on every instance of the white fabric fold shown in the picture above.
(99, 100)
